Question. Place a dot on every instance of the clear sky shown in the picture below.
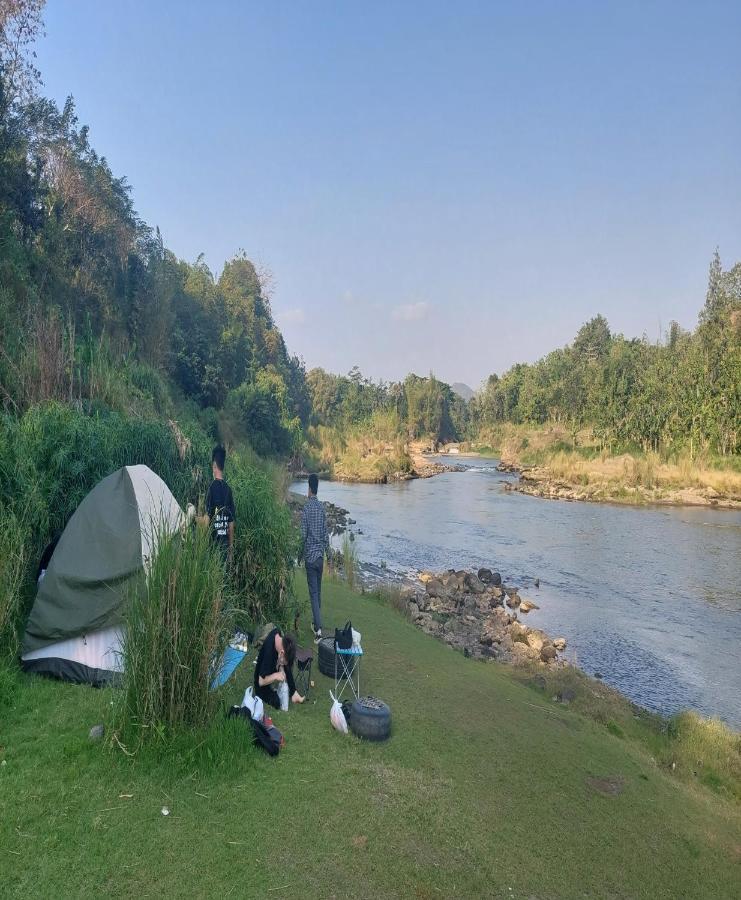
(433, 185)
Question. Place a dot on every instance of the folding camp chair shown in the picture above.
(304, 659)
(347, 670)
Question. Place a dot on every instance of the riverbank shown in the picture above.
(520, 791)
(552, 464)
(367, 460)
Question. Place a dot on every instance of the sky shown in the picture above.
(432, 186)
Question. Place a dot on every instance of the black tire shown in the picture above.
(370, 718)
(327, 657)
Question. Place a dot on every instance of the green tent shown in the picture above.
(74, 630)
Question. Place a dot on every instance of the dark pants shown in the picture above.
(314, 580)
(268, 696)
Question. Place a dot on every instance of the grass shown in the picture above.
(598, 474)
(349, 561)
(371, 452)
(486, 788)
(13, 561)
(176, 626)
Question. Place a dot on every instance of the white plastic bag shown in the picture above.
(336, 716)
(253, 704)
(356, 638)
(282, 692)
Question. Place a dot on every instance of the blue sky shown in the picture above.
(433, 186)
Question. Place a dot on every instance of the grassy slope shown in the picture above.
(482, 791)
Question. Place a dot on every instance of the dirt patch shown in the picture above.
(608, 785)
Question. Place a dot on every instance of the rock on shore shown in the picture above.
(467, 611)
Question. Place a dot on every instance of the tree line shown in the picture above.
(683, 392)
(79, 268)
(76, 260)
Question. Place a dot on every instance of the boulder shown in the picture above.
(560, 644)
(522, 653)
(413, 609)
(548, 653)
(496, 579)
(485, 575)
(424, 577)
(474, 584)
(435, 587)
(534, 640)
(527, 606)
(517, 629)
(513, 600)
(422, 601)
(506, 644)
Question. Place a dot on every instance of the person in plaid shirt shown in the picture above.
(315, 543)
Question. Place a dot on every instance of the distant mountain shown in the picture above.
(463, 390)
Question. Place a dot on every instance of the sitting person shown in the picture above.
(274, 671)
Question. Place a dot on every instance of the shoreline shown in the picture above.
(475, 613)
(537, 481)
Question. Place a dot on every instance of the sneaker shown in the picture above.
(317, 635)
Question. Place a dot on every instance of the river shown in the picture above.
(648, 597)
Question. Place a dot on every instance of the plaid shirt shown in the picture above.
(314, 533)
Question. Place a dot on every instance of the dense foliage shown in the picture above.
(76, 260)
(421, 407)
(683, 392)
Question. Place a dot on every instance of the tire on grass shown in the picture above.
(370, 718)
(326, 657)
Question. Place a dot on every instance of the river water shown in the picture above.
(648, 597)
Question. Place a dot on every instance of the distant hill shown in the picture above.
(463, 390)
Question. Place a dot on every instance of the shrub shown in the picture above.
(177, 627)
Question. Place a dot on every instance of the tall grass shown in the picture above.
(177, 627)
(349, 561)
(13, 555)
(265, 544)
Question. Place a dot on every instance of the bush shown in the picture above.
(177, 627)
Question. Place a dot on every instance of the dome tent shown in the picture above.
(75, 627)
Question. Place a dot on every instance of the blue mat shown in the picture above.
(231, 659)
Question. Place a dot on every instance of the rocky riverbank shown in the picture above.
(476, 613)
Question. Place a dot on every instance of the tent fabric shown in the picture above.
(98, 650)
(67, 670)
(159, 512)
(102, 555)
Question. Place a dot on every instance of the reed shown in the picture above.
(177, 626)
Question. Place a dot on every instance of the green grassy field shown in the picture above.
(486, 789)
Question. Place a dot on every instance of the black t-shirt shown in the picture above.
(267, 663)
(220, 509)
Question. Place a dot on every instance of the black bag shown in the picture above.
(343, 636)
(270, 739)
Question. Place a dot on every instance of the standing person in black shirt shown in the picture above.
(220, 506)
